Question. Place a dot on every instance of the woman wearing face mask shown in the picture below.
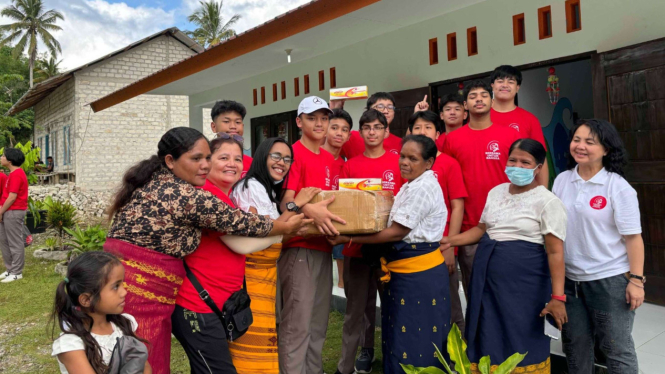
(260, 192)
(604, 250)
(518, 267)
(415, 307)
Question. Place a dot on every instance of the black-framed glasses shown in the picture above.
(226, 135)
(381, 107)
(278, 156)
(370, 128)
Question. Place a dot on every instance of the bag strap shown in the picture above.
(203, 294)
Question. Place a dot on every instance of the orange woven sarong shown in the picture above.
(152, 281)
(256, 350)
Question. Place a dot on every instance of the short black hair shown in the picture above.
(451, 98)
(49, 157)
(372, 115)
(427, 145)
(379, 96)
(530, 146)
(477, 84)
(506, 71)
(341, 114)
(15, 156)
(225, 106)
(426, 115)
(616, 158)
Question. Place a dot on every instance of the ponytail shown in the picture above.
(175, 142)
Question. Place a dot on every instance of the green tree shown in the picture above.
(32, 23)
(211, 28)
(46, 69)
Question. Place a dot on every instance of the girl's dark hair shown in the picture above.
(216, 143)
(15, 156)
(530, 146)
(86, 274)
(259, 170)
(176, 142)
(427, 146)
(616, 158)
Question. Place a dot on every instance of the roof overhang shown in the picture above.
(41, 90)
(310, 30)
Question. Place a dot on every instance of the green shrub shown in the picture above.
(90, 239)
(61, 216)
(51, 244)
(34, 206)
(457, 351)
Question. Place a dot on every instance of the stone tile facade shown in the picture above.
(99, 147)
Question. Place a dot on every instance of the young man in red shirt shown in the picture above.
(449, 174)
(227, 116)
(384, 103)
(452, 114)
(481, 148)
(360, 279)
(338, 134)
(506, 81)
(305, 266)
(13, 205)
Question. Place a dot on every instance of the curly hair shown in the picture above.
(616, 158)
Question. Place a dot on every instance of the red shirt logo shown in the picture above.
(436, 175)
(388, 176)
(493, 150)
(243, 174)
(335, 185)
(516, 126)
(598, 202)
(394, 151)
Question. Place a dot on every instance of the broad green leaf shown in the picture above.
(510, 364)
(457, 351)
(410, 369)
(441, 359)
(484, 365)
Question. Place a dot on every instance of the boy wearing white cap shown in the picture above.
(305, 266)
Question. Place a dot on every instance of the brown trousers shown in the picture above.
(360, 287)
(305, 278)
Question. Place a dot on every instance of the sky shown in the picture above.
(94, 28)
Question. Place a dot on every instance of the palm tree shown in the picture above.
(211, 28)
(46, 69)
(32, 23)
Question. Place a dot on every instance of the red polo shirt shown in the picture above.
(449, 174)
(335, 171)
(355, 146)
(521, 120)
(219, 270)
(16, 182)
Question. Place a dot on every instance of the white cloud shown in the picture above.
(94, 28)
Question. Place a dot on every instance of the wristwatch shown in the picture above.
(641, 278)
(292, 207)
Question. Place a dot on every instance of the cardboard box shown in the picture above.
(349, 93)
(363, 184)
(365, 212)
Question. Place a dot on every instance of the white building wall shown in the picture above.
(52, 116)
(399, 60)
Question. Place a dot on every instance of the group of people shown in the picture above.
(471, 188)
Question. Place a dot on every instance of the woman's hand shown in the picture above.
(306, 195)
(634, 295)
(449, 256)
(557, 309)
(444, 244)
(297, 222)
(339, 239)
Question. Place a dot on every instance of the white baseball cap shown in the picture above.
(312, 104)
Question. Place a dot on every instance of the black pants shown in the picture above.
(204, 340)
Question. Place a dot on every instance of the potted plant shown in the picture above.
(88, 240)
(457, 352)
(35, 218)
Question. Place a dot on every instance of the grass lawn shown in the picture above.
(25, 308)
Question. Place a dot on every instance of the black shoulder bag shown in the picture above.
(236, 315)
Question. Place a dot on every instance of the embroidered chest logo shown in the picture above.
(335, 184)
(327, 176)
(493, 151)
(598, 202)
(242, 175)
(394, 151)
(515, 126)
(388, 180)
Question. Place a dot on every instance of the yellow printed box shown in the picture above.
(362, 184)
(349, 93)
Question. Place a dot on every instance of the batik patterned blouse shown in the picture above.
(167, 215)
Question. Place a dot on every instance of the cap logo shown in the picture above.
(316, 100)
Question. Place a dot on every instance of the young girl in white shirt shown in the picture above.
(88, 310)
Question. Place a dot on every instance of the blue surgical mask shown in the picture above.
(520, 176)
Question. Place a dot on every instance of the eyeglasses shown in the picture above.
(370, 128)
(225, 135)
(381, 107)
(278, 156)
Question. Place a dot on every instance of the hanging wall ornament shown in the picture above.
(553, 86)
(460, 87)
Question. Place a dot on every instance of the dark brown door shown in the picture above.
(629, 90)
(405, 101)
(281, 125)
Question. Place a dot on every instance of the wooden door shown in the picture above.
(405, 101)
(629, 91)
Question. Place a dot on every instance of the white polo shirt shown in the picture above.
(600, 211)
